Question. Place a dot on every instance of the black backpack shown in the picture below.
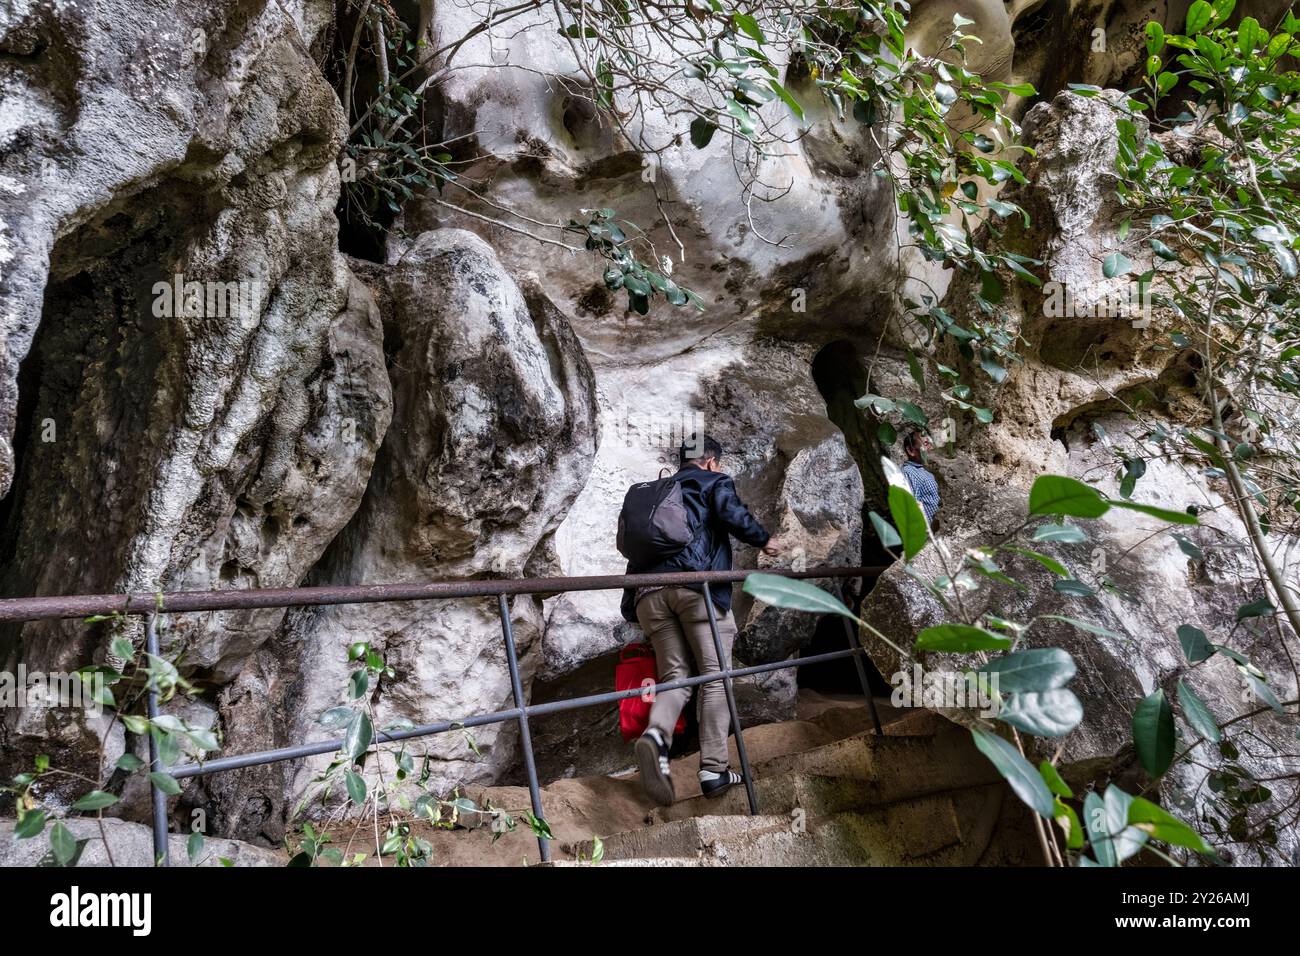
(654, 524)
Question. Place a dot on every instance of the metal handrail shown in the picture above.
(150, 605)
(236, 599)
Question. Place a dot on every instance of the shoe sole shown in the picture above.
(714, 794)
(658, 787)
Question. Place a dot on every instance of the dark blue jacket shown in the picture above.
(717, 513)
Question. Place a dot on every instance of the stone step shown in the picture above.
(944, 829)
(853, 773)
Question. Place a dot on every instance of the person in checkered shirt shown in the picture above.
(924, 488)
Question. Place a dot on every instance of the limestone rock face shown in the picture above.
(198, 390)
(205, 393)
(131, 844)
(1068, 410)
(494, 430)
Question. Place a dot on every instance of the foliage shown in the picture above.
(1029, 683)
(1209, 149)
(121, 690)
(378, 787)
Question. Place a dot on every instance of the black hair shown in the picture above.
(912, 440)
(694, 449)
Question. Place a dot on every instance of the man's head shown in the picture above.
(702, 452)
(915, 445)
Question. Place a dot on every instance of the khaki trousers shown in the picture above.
(676, 622)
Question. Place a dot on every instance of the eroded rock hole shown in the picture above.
(841, 377)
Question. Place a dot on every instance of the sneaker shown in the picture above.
(714, 784)
(652, 761)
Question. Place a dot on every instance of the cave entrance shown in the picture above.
(841, 377)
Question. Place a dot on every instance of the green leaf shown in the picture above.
(1095, 823)
(1025, 781)
(129, 762)
(744, 121)
(165, 782)
(1068, 820)
(62, 844)
(794, 595)
(29, 825)
(748, 24)
(360, 733)
(336, 717)
(913, 413)
(959, 638)
(122, 649)
(1116, 264)
(1059, 495)
(1060, 534)
(1189, 548)
(1041, 668)
(702, 131)
(1153, 733)
(1199, 15)
(1084, 626)
(1198, 714)
(877, 403)
(1112, 839)
(95, 800)
(1053, 780)
(1261, 608)
(1073, 588)
(194, 846)
(356, 785)
(1175, 517)
(914, 369)
(136, 724)
(787, 99)
(1196, 647)
(1162, 825)
(885, 531)
(1049, 713)
(1056, 567)
(1261, 690)
(909, 520)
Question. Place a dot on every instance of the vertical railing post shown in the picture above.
(525, 737)
(161, 855)
(724, 664)
(862, 675)
(855, 646)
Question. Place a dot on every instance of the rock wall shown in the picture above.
(1091, 391)
(205, 394)
(476, 404)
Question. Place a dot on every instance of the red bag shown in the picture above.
(636, 668)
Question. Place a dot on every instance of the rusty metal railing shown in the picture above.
(150, 605)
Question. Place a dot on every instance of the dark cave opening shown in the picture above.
(381, 175)
(840, 374)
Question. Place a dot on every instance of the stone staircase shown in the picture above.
(831, 793)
